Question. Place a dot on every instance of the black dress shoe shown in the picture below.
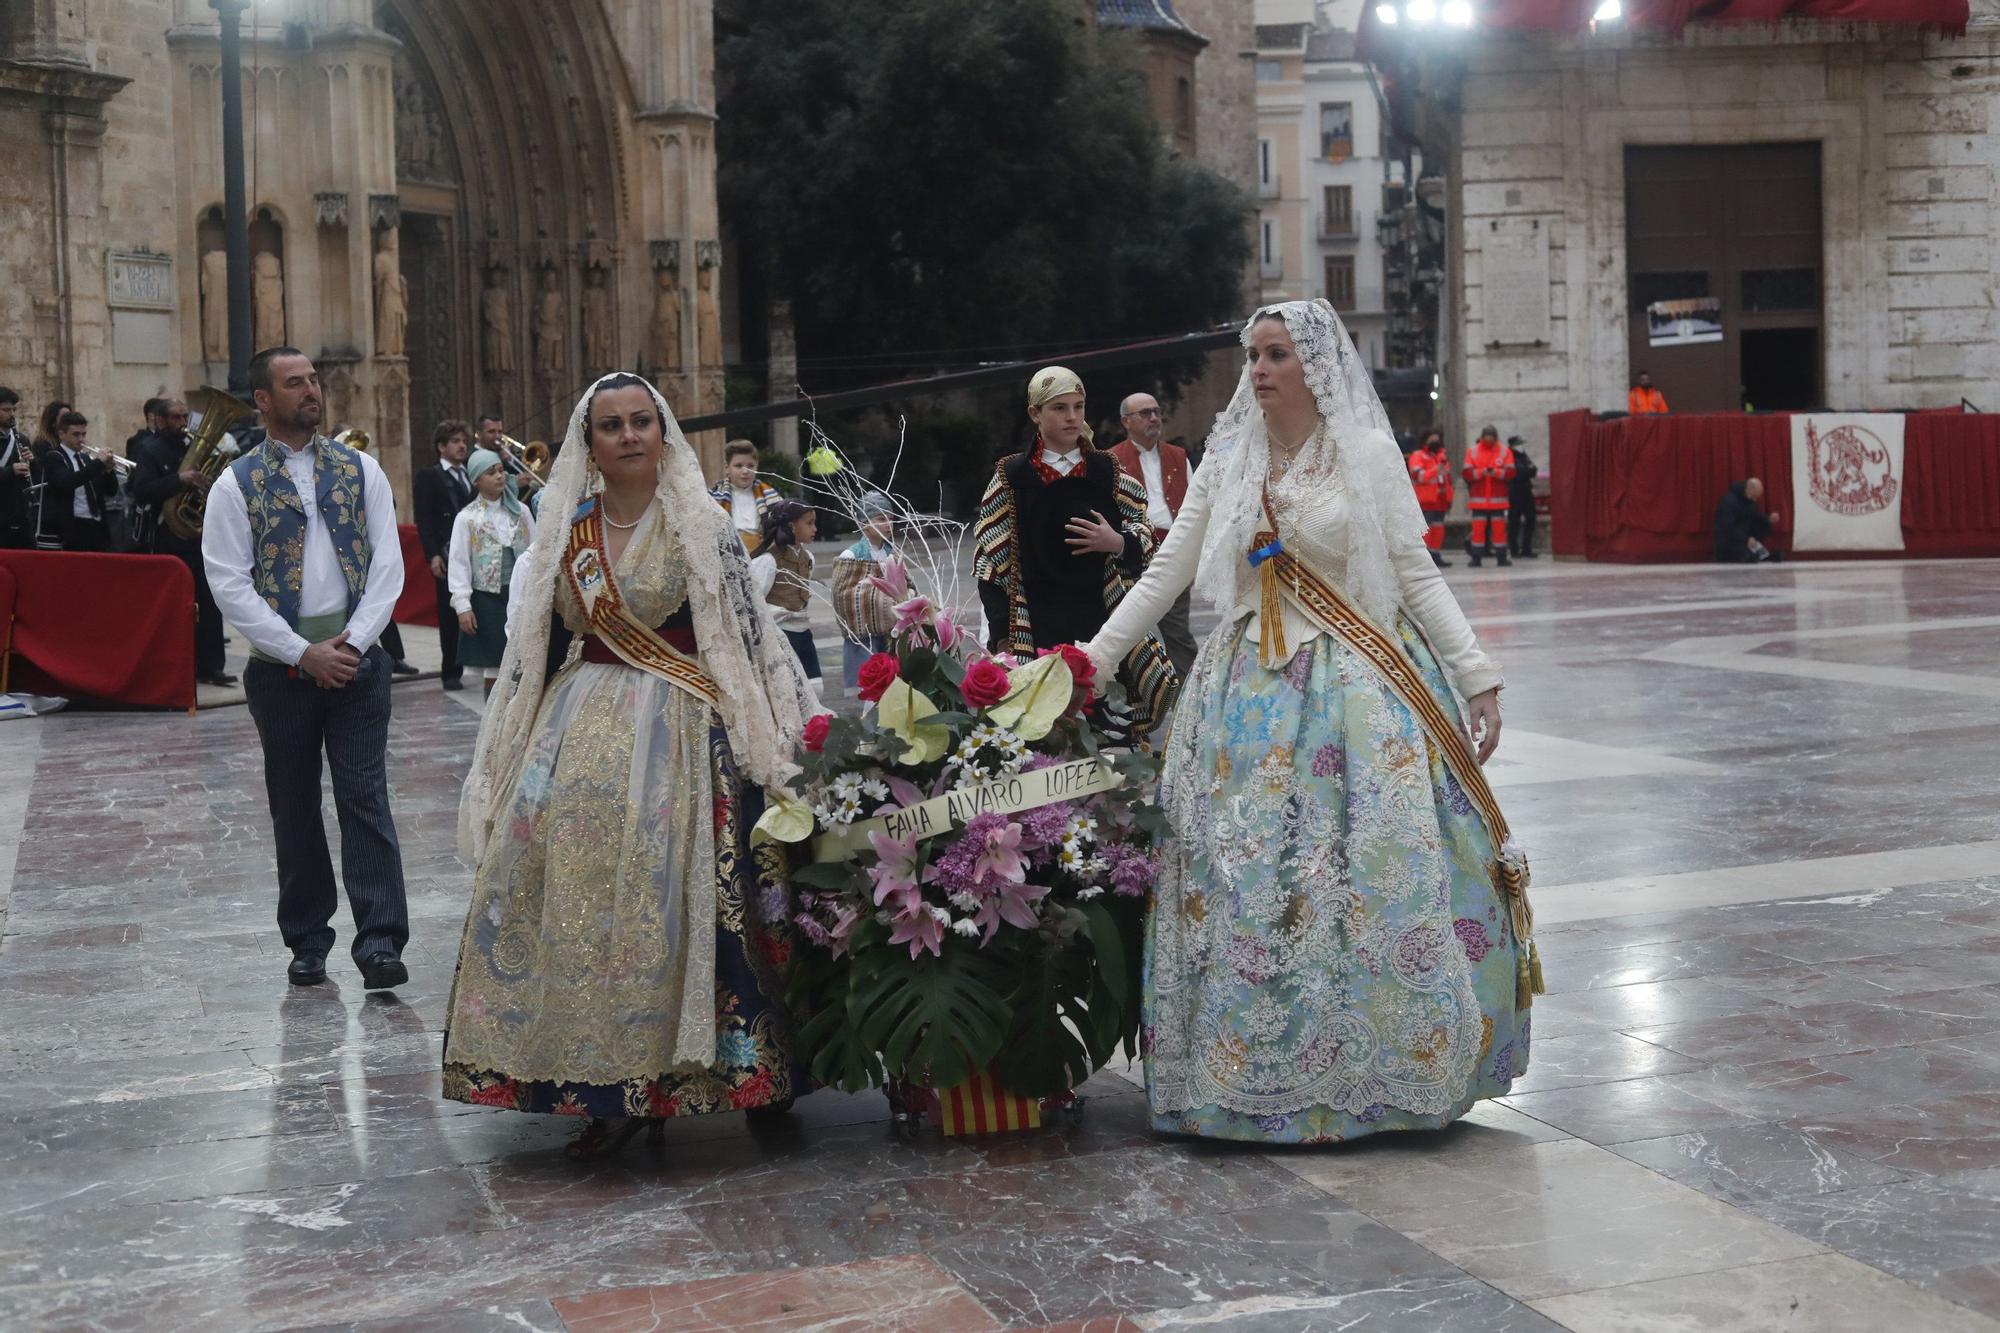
(382, 970)
(402, 668)
(308, 968)
(217, 678)
(452, 683)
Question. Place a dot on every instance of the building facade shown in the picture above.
(1768, 217)
(455, 205)
(1321, 166)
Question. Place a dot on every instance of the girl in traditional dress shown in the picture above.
(1338, 945)
(487, 537)
(622, 954)
(782, 569)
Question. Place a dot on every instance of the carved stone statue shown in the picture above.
(267, 301)
(497, 309)
(708, 318)
(598, 336)
(392, 296)
(663, 347)
(549, 324)
(215, 306)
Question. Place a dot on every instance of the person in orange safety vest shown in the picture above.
(1489, 467)
(1430, 473)
(1645, 400)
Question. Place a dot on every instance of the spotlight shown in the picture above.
(1609, 10)
(1458, 13)
(1421, 11)
(1385, 15)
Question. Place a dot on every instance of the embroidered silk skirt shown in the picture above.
(1327, 955)
(623, 951)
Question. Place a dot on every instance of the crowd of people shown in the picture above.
(1500, 496)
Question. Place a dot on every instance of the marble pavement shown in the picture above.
(1764, 810)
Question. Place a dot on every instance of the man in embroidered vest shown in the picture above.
(1062, 536)
(303, 556)
(1162, 468)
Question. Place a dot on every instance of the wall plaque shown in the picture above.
(1515, 266)
(141, 281)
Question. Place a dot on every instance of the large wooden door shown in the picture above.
(1740, 224)
(429, 264)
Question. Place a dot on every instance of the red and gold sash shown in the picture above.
(1285, 575)
(587, 566)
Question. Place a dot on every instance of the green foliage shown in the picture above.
(960, 181)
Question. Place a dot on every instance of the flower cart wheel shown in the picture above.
(1064, 1109)
(906, 1112)
(908, 1126)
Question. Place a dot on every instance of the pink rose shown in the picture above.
(985, 683)
(878, 673)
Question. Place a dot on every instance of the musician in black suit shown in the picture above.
(17, 477)
(156, 478)
(440, 492)
(77, 480)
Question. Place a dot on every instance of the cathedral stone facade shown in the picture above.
(455, 205)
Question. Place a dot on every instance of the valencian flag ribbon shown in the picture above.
(1285, 575)
(585, 564)
(981, 1106)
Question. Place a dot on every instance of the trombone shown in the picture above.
(531, 462)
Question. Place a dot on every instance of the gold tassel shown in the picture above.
(1535, 968)
(1271, 612)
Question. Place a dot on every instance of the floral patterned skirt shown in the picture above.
(1328, 956)
(624, 947)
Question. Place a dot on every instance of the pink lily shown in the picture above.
(912, 615)
(843, 926)
(1014, 904)
(1000, 861)
(893, 581)
(896, 876)
(920, 930)
(950, 634)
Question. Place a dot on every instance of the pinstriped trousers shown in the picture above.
(297, 721)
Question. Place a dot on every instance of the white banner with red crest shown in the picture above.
(1847, 481)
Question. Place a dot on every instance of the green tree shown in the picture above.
(940, 184)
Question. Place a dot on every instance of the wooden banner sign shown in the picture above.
(1069, 781)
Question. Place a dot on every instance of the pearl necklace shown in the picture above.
(625, 527)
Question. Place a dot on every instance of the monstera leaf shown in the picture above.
(1054, 1043)
(935, 1019)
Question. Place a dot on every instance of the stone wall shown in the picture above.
(1909, 232)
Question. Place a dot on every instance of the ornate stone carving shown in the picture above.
(215, 306)
(599, 335)
(707, 307)
(550, 326)
(330, 208)
(267, 301)
(392, 296)
(384, 211)
(663, 333)
(665, 254)
(338, 379)
(496, 311)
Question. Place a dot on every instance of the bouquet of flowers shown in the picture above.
(977, 870)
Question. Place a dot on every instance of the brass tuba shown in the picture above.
(354, 438)
(208, 453)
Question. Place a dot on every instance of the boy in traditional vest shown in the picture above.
(782, 572)
(742, 496)
(865, 613)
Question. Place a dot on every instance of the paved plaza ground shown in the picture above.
(1764, 810)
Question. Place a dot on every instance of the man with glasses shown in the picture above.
(1162, 468)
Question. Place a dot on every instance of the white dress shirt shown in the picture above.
(230, 560)
(1063, 463)
(79, 499)
(1157, 512)
(743, 510)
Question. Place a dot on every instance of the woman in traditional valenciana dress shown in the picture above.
(1339, 943)
(622, 954)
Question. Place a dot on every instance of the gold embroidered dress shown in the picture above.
(622, 950)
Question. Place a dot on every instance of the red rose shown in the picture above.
(816, 729)
(878, 673)
(985, 683)
(1082, 671)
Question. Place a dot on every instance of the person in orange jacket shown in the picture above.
(1645, 400)
(1430, 473)
(1489, 467)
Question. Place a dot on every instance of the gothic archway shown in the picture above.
(510, 167)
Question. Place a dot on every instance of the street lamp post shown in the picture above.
(235, 208)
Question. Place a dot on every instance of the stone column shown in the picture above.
(784, 377)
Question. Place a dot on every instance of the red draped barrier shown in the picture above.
(112, 628)
(418, 603)
(1644, 489)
